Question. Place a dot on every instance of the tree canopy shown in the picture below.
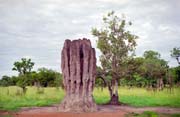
(24, 66)
(175, 52)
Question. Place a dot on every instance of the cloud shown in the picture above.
(38, 29)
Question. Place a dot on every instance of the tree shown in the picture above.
(131, 70)
(8, 81)
(24, 66)
(154, 69)
(116, 43)
(175, 74)
(46, 77)
(5, 81)
(175, 52)
(150, 54)
(58, 80)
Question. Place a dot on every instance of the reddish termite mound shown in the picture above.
(78, 64)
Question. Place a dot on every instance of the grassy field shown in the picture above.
(12, 99)
(141, 97)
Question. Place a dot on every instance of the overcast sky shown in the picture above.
(37, 28)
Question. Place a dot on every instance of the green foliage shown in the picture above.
(153, 67)
(116, 44)
(150, 54)
(144, 114)
(145, 71)
(58, 82)
(175, 52)
(150, 114)
(24, 66)
(114, 41)
(7, 115)
(43, 77)
(175, 115)
(48, 77)
(22, 82)
(99, 82)
(175, 73)
(139, 81)
(6, 81)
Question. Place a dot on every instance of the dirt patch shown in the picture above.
(166, 110)
(129, 109)
(60, 114)
(103, 111)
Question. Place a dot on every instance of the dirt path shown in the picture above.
(103, 111)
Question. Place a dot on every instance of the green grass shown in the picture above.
(136, 97)
(140, 97)
(151, 114)
(10, 101)
(144, 114)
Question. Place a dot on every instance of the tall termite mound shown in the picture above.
(78, 64)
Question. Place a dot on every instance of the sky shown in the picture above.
(37, 29)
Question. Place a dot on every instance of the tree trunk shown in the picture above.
(178, 60)
(78, 65)
(170, 83)
(114, 84)
(114, 94)
(160, 84)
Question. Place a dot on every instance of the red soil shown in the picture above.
(103, 111)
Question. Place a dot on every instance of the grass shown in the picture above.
(144, 114)
(11, 98)
(151, 114)
(140, 97)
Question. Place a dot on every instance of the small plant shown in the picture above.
(8, 91)
(19, 92)
(6, 115)
(40, 90)
(144, 114)
(57, 88)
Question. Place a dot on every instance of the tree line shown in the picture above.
(43, 77)
(148, 70)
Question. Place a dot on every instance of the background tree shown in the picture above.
(6, 81)
(115, 43)
(154, 69)
(24, 66)
(174, 75)
(132, 73)
(47, 77)
(150, 54)
(175, 52)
